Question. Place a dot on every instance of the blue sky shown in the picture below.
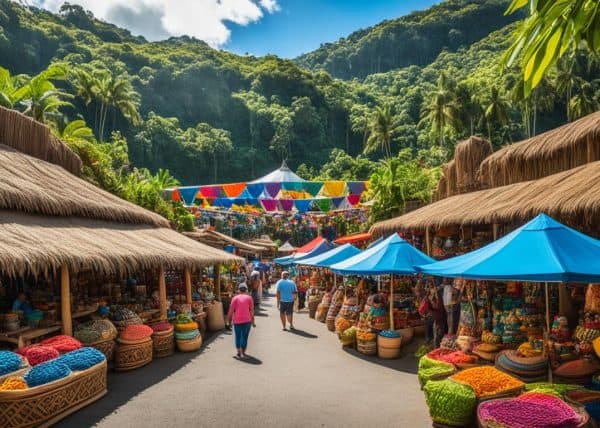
(300, 26)
(283, 27)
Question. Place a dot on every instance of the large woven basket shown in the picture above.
(201, 320)
(366, 347)
(190, 345)
(330, 323)
(312, 308)
(44, 405)
(163, 343)
(129, 356)
(107, 347)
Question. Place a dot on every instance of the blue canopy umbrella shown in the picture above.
(392, 256)
(330, 257)
(282, 260)
(542, 250)
(296, 258)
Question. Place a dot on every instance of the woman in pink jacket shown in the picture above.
(241, 314)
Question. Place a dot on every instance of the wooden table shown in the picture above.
(25, 335)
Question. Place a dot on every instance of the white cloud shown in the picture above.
(156, 19)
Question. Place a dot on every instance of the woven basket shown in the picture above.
(131, 356)
(366, 348)
(45, 405)
(201, 320)
(107, 347)
(312, 308)
(330, 322)
(24, 367)
(190, 345)
(163, 343)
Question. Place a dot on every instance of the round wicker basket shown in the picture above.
(312, 308)
(330, 321)
(190, 345)
(129, 356)
(163, 343)
(389, 347)
(107, 347)
(366, 348)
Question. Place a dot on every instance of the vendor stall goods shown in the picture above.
(163, 339)
(82, 359)
(37, 354)
(389, 344)
(9, 362)
(134, 333)
(62, 343)
(489, 382)
(579, 371)
(450, 403)
(348, 336)
(46, 372)
(452, 357)
(366, 342)
(557, 389)
(14, 383)
(430, 369)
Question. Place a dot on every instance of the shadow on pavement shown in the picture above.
(303, 333)
(407, 362)
(249, 359)
(123, 386)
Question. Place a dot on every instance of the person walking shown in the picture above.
(255, 287)
(241, 314)
(287, 293)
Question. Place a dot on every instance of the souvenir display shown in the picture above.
(450, 403)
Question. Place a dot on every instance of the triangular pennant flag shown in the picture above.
(334, 188)
(272, 189)
(255, 189)
(353, 199)
(312, 187)
(233, 190)
(302, 205)
(176, 196)
(254, 202)
(223, 202)
(324, 204)
(337, 202)
(188, 194)
(210, 191)
(269, 204)
(356, 187)
(296, 186)
(286, 204)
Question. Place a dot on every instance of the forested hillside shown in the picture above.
(415, 39)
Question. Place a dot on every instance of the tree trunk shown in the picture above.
(215, 166)
(534, 119)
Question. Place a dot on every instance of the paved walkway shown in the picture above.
(302, 379)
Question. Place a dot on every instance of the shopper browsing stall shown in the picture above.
(241, 314)
(286, 296)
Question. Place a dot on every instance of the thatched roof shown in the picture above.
(560, 149)
(33, 138)
(572, 197)
(32, 244)
(31, 185)
(468, 156)
(219, 240)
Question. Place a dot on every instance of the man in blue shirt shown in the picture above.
(286, 295)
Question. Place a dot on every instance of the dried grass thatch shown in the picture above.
(31, 185)
(563, 148)
(218, 240)
(572, 197)
(468, 156)
(449, 171)
(35, 139)
(38, 245)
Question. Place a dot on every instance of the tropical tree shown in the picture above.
(552, 28)
(441, 110)
(468, 106)
(541, 99)
(497, 108)
(214, 142)
(585, 102)
(567, 80)
(382, 128)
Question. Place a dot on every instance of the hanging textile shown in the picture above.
(223, 202)
(255, 189)
(338, 202)
(286, 204)
(176, 196)
(290, 194)
(324, 204)
(312, 187)
(272, 189)
(269, 205)
(353, 199)
(294, 186)
(334, 188)
(210, 191)
(253, 202)
(356, 187)
(188, 194)
(302, 205)
(233, 190)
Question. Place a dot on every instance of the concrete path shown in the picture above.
(302, 379)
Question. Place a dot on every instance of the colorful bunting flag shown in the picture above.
(324, 204)
(176, 196)
(302, 205)
(353, 199)
(269, 204)
(211, 192)
(188, 194)
(295, 186)
(312, 187)
(223, 202)
(334, 188)
(255, 189)
(286, 204)
(338, 202)
(233, 190)
(356, 187)
(272, 189)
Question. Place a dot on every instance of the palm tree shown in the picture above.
(442, 111)
(77, 130)
(567, 79)
(163, 179)
(382, 128)
(468, 107)
(585, 102)
(496, 108)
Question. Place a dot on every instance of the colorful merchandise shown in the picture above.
(37, 354)
(487, 381)
(136, 332)
(46, 372)
(390, 334)
(82, 359)
(430, 369)
(452, 357)
(9, 362)
(13, 384)
(557, 389)
(161, 326)
(62, 343)
(450, 403)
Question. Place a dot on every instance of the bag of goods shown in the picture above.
(62, 343)
(9, 362)
(430, 369)
(527, 350)
(488, 381)
(161, 326)
(557, 389)
(97, 330)
(586, 334)
(486, 351)
(578, 371)
(530, 410)
(467, 325)
(465, 343)
(342, 324)
(46, 372)
(136, 332)
(348, 336)
(448, 341)
(490, 338)
(37, 354)
(82, 359)
(450, 403)
(592, 298)
(13, 384)
(452, 357)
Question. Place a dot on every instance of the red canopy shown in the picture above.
(307, 248)
(351, 239)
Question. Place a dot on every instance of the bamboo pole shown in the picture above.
(217, 277)
(188, 286)
(495, 230)
(547, 327)
(65, 301)
(428, 240)
(162, 293)
(392, 302)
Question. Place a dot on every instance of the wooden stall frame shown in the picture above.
(65, 301)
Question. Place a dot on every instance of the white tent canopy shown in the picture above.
(283, 174)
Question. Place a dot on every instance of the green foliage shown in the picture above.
(341, 166)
